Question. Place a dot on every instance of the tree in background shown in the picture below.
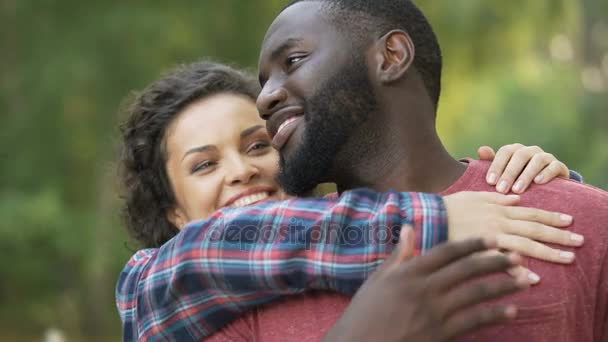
(534, 72)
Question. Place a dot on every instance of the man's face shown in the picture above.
(316, 92)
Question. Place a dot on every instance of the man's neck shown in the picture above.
(407, 154)
(428, 168)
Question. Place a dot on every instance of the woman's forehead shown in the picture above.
(213, 120)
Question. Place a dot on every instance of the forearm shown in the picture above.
(216, 269)
(333, 245)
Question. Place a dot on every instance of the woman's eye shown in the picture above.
(203, 166)
(261, 145)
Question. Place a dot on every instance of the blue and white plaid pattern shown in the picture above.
(215, 270)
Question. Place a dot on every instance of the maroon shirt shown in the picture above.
(570, 303)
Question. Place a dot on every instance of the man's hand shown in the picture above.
(421, 300)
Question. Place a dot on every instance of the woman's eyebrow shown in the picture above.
(199, 149)
(249, 131)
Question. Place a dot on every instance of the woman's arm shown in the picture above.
(216, 269)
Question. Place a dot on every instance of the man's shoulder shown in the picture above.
(569, 194)
(587, 204)
(568, 190)
(583, 201)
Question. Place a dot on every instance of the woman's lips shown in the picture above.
(250, 196)
(285, 131)
(250, 199)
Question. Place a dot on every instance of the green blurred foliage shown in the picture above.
(534, 72)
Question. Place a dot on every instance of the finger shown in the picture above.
(486, 153)
(500, 162)
(406, 247)
(516, 164)
(535, 249)
(517, 271)
(495, 198)
(522, 272)
(537, 215)
(544, 233)
(449, 252)
(404, 250)
(476, 319)
(481, 291)
(536, 165)
(555, 169)
(470, 268)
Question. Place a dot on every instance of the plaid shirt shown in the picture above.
(215, 270)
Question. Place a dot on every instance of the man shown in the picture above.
(350, 92)
(448, 257)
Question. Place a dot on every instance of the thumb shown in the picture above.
(486, 153)
(406, 248)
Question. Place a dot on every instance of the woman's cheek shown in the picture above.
(205, 195)
(271, 163)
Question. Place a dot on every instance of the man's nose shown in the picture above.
(270, 100)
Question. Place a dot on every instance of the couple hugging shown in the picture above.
(349, 95)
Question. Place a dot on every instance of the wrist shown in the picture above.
(428, 216)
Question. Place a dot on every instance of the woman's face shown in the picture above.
(219, 155)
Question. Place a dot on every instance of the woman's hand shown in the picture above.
(516, 166)
(517, 229)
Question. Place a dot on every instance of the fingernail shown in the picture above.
(519, 186)
(539, 178)
(533, 277)
(566, 255)
(502, 187)
(511, 311)
(565, 218)
(577, 237)
(492, 178)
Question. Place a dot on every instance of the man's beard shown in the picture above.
(343, 103)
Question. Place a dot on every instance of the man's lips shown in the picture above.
(283, 123)
(278, 117)
(285, 131)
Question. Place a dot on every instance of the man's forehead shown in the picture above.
(293, 22)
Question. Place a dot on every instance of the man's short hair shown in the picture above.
(381, 16)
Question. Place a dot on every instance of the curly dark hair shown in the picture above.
(147, 191)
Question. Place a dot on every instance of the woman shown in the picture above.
(194, 144)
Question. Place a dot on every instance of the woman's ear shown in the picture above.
(177, 217)
(395, 55)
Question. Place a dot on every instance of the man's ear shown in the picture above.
(394, 55)
(177, 217)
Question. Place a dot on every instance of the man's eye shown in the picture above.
(293, 60)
